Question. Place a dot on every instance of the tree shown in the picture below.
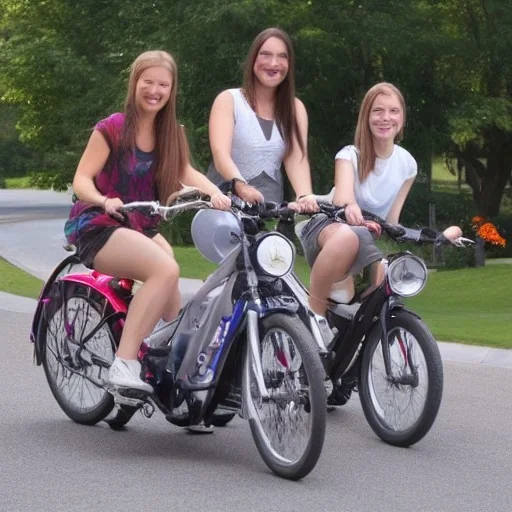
(477, 74)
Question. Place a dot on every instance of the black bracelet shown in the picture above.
(233, 183)
(304, 195)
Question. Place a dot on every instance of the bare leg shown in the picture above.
(377, 272)
(132, 255)
(173, 305)
(339, 249)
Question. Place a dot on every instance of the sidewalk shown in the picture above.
(453, 352)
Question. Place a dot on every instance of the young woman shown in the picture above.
(256, 129)
(375, 174)
(139, 155)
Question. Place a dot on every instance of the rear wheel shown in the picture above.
(76, 370)
(289, 427)
(402, 409)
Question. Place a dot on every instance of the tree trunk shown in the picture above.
(479, 252)
(488, 182)
(499, 166)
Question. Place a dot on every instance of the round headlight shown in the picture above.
(275, 254)
(407, 275)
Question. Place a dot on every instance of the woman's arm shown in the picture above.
(343, 182)
(394, 214)
(196, 179)
(220, 129)
(296, 164)
(221, 126)
(92, 162)
(344, 191)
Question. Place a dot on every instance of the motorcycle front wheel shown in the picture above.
(77, 371)
(402, 408)
(288, 427)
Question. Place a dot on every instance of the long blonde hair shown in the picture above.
(363, 139)
(285, 115)
(171, 145)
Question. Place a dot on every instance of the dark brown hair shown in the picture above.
(285, 114)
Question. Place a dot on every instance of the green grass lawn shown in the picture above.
(470, 305)
(14, 280)
(18, 182)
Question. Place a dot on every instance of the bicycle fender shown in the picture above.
(97, 283)
(279, 304)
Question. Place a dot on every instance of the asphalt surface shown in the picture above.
(48, 463)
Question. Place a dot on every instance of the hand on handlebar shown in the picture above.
(353, 215)
(221, 201)
(305, 204)
(454, 235)
(248, 193)
(373, 227)
(112, 205)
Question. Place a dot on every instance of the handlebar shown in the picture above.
(397, 231)
(262, 211)
(269, 210)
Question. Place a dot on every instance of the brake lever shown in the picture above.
(463, 242)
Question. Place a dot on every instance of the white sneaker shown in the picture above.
(125, 373)
(201, 428)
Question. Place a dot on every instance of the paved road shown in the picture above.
(50, 464)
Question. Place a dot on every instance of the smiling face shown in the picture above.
(386, 117)
(272, 62)
(153, 89)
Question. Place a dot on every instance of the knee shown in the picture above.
(168, 272)
(345, 241)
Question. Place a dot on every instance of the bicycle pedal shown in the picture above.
(129, 397)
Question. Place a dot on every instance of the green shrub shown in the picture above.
(177, 230)
(457, 257)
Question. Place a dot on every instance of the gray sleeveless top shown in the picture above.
(257, 156)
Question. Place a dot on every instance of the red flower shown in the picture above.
(487, 231)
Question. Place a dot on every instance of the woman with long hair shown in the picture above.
(141, 154)
(375, 174)
(258, 128)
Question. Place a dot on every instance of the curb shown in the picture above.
(450, 352)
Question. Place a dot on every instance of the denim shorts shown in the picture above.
(368, 252)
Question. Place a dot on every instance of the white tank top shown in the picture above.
(252, 153)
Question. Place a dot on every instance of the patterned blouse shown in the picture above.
(130, 177)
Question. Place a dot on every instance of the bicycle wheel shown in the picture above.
(289, 427)
(77, 371)
(401, 410)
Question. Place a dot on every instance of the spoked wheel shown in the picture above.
(76, 371)
(402, 409)
(289, 427)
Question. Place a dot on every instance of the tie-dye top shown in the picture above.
(130, 178)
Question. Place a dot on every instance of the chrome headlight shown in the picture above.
(275, 254)
(407, 275)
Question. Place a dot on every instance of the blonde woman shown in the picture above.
(139, 155)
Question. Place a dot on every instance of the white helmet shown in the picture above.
(215, 233)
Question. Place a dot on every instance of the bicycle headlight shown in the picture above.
(407, 275)
(275, 254)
